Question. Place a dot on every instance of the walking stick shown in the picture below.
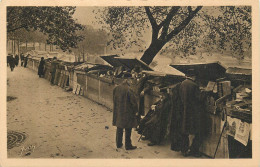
(141, 135)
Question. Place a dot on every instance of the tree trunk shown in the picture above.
(152, 51)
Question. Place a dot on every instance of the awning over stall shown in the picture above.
(210, 71)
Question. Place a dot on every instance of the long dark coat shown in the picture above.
(176, 118)
(190, 93)
(11, 61)
(138, 87)
(159, 120)
(125, 107)
(25, 61)
(41, 68)
(54, 64)
(16, 60)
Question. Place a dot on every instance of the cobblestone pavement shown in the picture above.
(59, 124)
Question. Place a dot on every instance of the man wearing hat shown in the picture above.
(124, 112)
(54, 64)
(189, 94)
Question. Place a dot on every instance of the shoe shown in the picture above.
(130, 148)
(151, 144)
(119, 146)
(186, 153)
(177, 149)
(195, 153)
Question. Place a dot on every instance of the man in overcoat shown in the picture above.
(22, 58)
(41, 68)
(11, 61)
(53, 69)
(16, 60)
(124, 112)
(189, 94)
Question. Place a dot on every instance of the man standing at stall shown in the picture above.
(189, 94)
(21, 58)
(53, 69)
(124, 112)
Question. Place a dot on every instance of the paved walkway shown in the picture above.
(59, 124)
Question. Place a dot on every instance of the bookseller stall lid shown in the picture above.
(209, 71)
(128, 63)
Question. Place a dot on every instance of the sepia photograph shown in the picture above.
(129, 82)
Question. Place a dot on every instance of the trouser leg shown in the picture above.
(119, 137)
(196, 142)
(128, 141)
(185, 143)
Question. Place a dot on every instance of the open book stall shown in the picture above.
(227, 96)
(228, 104)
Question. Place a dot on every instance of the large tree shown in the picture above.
(184, 28)
(56, 22)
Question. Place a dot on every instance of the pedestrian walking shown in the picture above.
(124, 112)
(11, 62)
(190, 93)
(16, 60)
(41, 68)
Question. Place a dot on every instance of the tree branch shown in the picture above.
(151, 18)
(167, 21)
(183, 24)
(170, 15)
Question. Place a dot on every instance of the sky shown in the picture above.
(85, 16)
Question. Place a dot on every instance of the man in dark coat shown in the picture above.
(16, 60)
(190, 93)
(53, 69)
(22, 58)
(11, 62)
(124, 112)
(41, 67)
(26, 60)
(154, 125)
(176, 118)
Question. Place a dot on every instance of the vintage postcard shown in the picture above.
(129, 83)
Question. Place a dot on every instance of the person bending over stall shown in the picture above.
(125, 111)
(154, 125)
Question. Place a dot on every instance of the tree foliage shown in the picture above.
(27, 36)
(231, 30)
(183, 28)
(56, 22)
